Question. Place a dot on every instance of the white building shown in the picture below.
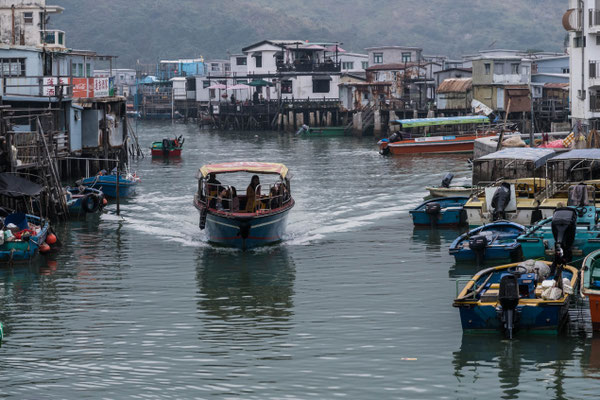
(582, 21)
(354, 62)
(23, 22)
(124, 78)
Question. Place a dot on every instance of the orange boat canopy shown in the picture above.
(243, 166)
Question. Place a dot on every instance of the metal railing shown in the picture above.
(309, 66)
(211, 196)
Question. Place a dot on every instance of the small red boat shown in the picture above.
(449, 143)
(168, 147)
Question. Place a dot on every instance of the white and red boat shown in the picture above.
(462, 140)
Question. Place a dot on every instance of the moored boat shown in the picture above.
(168, 147)
(418, 141)
(509, 185)
(446, 190)
(440, 211)
(244, 221)
(494, 241)
(84, 200)
(22, 236)
(590, 285)
(108, 184)
(528, 296)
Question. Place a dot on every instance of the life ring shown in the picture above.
(90, 203)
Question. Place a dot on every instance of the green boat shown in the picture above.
(322, 131)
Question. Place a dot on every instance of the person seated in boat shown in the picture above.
(213, 187)
(276, 195)
(235, 200)
(102, 172)
(222, 203)
(252, 192)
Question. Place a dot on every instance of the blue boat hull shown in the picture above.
(543, 319)
(75, 205)
(246, 232)
(108, 185)
(491, 253)
(448, 217)
(22, 251)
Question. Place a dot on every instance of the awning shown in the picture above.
(14, 186)
(217, 86)
(321, 78)
(260, 82)
(243, 166)
(579, 154)
(537, 155)
(469, 119)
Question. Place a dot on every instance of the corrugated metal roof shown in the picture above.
(537, 155)
(579, 154)
(556, 85)
(455, 85)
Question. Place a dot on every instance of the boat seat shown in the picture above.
(490, 295)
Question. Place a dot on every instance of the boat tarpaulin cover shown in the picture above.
(14, 186)
(244, 166)
(536, 155)
(579, 154)
(468, 119)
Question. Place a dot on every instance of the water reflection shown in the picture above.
(513, 359)
(245, 294)
(436, 237)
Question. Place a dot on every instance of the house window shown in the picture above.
(205, 84)
(566, 70)
(514, 68)
(80, 70)
(499, 69)
(227, 67)
(378, 58)
(406, 57)
(347, 65)
(212, 93)
(241, 81)
(13, 66)
(365, 64)
(593, 69)
(258, 60)
(88, 70)
(241, 61)
(488, 68)
(214, 67)
(525, 70)
(321, 85)
(286, 87)
(579, 41)
(28, 18)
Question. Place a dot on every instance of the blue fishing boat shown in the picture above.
(495, 241)
(538, 240)
(108, 184)
(24, 241)
(527, 296)
(83, 200)
(440, 211)
(244, 221)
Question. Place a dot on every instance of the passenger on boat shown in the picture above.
(252, 192)
(223, 200)
(235, 200)
(213, 187)
(276, 195)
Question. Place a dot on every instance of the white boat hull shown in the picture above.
(452, 191)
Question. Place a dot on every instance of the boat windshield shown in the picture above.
(244, 193)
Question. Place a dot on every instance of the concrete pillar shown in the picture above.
(329, 118)
(377, 123)
(311, 117)
(280, 121)
(291, 120)
(357, 123)
(318, 117)
(299, 120)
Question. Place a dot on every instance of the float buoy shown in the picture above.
(51, 238)
(104, 201)
(44, 248)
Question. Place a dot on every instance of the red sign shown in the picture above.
(83, 87)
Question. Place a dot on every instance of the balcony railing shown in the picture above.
(594, 69)
(309, 66)
(52, 38)
(594, 17)
(595, 102)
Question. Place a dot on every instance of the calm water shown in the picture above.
(354, 304)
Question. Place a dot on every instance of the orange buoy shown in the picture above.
(44, 248)
(104, 201)
(51, 238)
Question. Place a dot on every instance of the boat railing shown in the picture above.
(278, 196)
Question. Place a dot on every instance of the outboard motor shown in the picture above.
(508, 296)
(384, 148)
(433, 210)
(478, 244)
(447, 179)
(395, 137)
(578, 195)
(564, 224)
(500, 201)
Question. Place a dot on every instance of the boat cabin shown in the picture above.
(524, 166)
(421, 127)
(249, 188)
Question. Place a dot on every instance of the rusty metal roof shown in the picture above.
(556, 85)
(455, 85)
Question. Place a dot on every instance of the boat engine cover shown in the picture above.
(478, 242)
(564, 224)
(447, 180)
(433, 208)
(508, 294)
(501, 198)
